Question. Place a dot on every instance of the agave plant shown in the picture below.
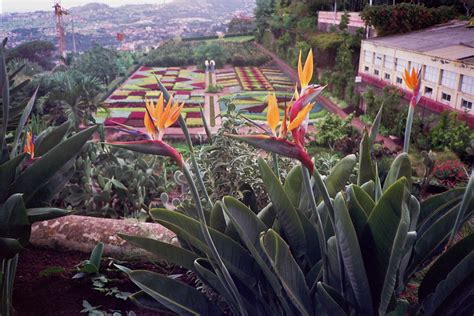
(322, 246)
(29, 179)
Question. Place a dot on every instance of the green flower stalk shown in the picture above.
(412, 81)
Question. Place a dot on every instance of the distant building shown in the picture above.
(328, 19)
(445, 55)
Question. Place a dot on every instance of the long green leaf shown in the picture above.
(330, 302)
(293, 185)
(360, 206)
(164, 251)
(466, 201)
(447, 286)
(14, 220)
(286, 212)
(5, 88)
(396, 255)
(366, 167)
(433, 237)
(374, 130)
(24, 117)
(444, 264)
(44, 214)
(352, 257)
(249, 227)
(177, 296)
(401, 167)
(9, 247)
(208, 275)
(49, 138)
(339, 175)
(143, 300)
(45, 167)
(288, 271)
(96, 255)
(7, 174)
(217, 220)
(379, 236)
(234, 255)
(434, 201)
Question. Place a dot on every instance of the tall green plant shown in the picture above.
(28, 181)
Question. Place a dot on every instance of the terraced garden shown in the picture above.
(247, 89)
(127, 104)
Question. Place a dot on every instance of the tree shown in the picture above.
(40, 52)
(468, 6)
(241, 25)
(72, 93)
(211, 51)
(99, 62)
(263, 11)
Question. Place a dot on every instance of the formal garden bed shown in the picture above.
(126, 105)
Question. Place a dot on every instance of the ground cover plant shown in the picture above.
(323, 245)
(126, 104)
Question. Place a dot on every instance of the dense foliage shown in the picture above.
(331, 129)
(114, 183)
(40, 52)
(69, 95)
(177, 53)
(103, 63)
(405, 17)
(452, 133)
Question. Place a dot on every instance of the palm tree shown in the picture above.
(70, 95)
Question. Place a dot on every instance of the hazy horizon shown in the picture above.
(9, 6)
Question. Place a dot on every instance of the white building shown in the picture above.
(445, 55)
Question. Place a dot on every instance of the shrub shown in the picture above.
(450, 173)
(405, 17)
(331, 129)
(114, 183)
(452, 133)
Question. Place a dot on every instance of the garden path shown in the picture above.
(325, 102)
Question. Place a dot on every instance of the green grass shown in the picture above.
(236, 39)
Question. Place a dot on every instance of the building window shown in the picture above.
(368, 56)
(467, 84)
(388, 63)
(448, 79)
(401, 65)
(466, 104)
(399, 80)
(366, 69)
(387, 76)
(415, 65)
(431, 74)
(378, 59)
(445, 97)
(376, 72)
(428, 91)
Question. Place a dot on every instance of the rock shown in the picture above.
(81, 233)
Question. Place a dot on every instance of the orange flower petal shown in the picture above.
(308, 69)
(300, 117)
(273, 113)
(300, 70)
(149, 125)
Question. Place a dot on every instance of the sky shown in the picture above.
(44, 5)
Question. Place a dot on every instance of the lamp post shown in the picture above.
(213, 65)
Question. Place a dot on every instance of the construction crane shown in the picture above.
(59, 12)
